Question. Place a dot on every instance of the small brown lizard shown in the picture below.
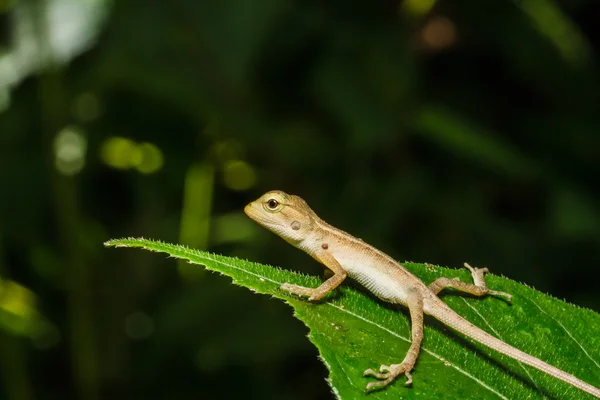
(291, 218)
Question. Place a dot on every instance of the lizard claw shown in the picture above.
(387, 374)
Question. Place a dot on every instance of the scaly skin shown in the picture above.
(291, 218)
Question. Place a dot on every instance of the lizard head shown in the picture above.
(285, 215)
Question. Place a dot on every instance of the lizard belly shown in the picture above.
(377, 281)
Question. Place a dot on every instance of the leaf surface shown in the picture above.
(354, 331)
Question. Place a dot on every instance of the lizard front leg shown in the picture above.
(388, 373)
(339, 274)
(478, 289)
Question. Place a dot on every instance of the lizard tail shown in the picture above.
(458, 323)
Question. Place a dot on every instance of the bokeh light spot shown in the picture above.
(238, 175)
(123, 153)
(118, 152)
(70, 146)
(439, 33)
(148, 158)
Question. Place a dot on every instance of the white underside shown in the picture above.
(374, 278)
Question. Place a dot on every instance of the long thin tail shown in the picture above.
(456, 322)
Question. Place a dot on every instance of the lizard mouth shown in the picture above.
(250, 211)
(256, 213)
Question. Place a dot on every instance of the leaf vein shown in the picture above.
(501, 338)
(568, 333)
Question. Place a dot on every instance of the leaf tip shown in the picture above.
(110, 243)
(126, 242)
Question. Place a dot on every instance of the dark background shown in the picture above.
(438, 131)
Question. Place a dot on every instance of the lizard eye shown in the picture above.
(272, 204)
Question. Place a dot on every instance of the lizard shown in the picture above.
(291, 218)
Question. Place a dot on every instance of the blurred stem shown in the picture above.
(13, 366)
(195, 215)
(54, 113)
(76, 272)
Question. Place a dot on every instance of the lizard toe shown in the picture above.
(372, 372)
(380, 384)
(388, 373)
(384, 368)
(408, 378)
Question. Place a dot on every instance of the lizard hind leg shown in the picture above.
(387, 374)
(478, 289)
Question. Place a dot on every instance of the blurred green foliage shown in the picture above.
(438, 131)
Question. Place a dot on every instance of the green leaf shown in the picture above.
(19, 314)
(354, 331)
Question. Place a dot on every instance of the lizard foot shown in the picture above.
(387, 374)
(478, 274)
